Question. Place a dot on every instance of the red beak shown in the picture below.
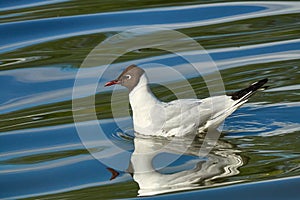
(109, 83)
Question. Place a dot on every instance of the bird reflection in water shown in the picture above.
(155, 164)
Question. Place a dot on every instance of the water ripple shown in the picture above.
(15, 61)
(40, 55)
(171, 17)
(15, 5)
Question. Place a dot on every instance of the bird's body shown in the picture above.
(175, 118)
(179, 117)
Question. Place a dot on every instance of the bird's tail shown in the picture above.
(240, 97)
(244, 94)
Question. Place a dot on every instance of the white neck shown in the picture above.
(142, 102)
(141, 96)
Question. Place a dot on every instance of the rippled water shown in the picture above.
(42, 45)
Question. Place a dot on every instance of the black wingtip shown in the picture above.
(261, 82)
(247, 92)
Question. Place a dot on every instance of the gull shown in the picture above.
(180, 117)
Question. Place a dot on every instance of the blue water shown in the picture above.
(42, 46)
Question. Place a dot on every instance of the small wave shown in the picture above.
(124, 135)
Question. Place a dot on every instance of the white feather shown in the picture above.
(179, 117)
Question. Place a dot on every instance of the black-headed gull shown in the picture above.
(179, 117)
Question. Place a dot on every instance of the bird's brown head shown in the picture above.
(128, 78)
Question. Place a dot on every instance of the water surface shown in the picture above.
(43, 43)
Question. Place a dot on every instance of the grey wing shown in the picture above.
(181, 116)
(195, 112)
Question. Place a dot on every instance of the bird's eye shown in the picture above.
(127, 76)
